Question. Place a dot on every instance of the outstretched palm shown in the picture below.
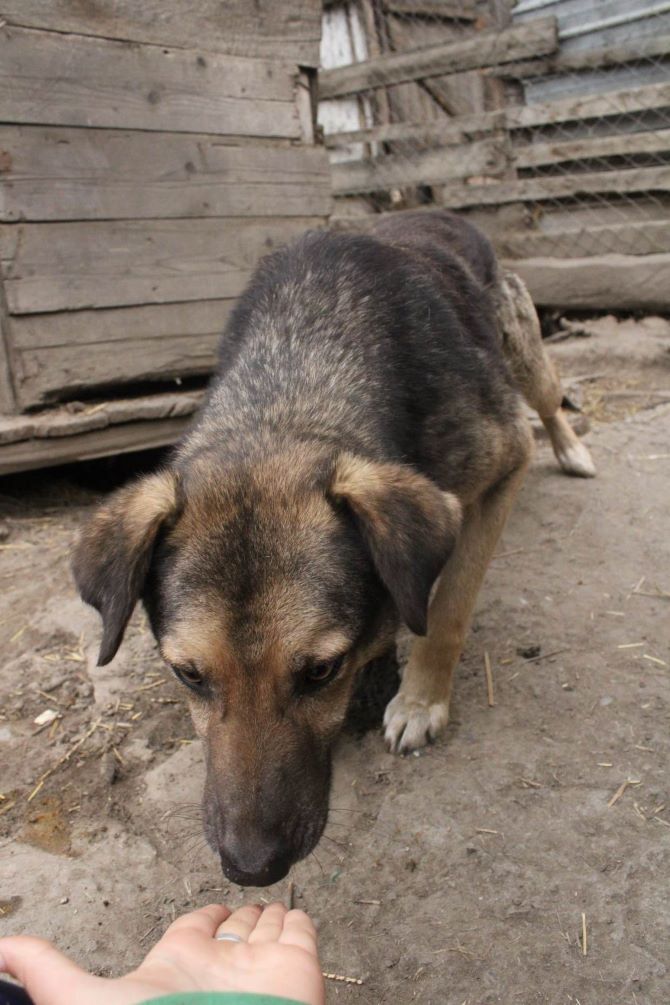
(277, 956)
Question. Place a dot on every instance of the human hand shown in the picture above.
(277, 956)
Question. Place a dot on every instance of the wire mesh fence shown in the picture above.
(546, 121)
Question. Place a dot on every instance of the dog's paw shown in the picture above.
(575, 459)
(409, 723)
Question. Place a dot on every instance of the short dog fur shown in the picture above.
(352, 469)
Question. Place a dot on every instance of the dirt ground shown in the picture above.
(462, 875)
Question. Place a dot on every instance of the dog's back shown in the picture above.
(384, 343)
(442, 239)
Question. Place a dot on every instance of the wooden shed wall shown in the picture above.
(267, 29)
(150, 153)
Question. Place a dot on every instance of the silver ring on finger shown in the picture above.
(228, 937)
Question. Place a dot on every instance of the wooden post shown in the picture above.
(497, 91)
(381, 105)
(306, 104)
(501, 14)
(7, 395)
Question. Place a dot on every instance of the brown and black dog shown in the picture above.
(362, 443)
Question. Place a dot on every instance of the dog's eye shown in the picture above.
(189, 676)
(319, 673)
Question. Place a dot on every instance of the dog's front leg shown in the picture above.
(420, 710)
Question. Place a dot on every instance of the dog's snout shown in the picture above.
(254, 861)
(271, 811)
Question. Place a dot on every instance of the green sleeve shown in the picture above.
(220, 998)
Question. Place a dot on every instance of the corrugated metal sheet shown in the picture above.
(583, 16)
(595, 82)
(592, 25)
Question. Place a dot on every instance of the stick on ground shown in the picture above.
(489, 679)
(342, 978)
(620, 791)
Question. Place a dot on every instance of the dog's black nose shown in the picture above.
(260, 866)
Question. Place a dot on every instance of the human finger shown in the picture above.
(299, 930)
(241, 922)
(49, 977)
(204, 921)
(270, 924)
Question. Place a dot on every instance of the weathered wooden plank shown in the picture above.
(7, 396)
(622, 145)
(558, 187)
(590, 106)
(68, 421)
(376, 43)
(530, 39)
(457, 10)
(87, 328)
(55, 173)
(46, 452)
(461, 196)
(632, 238)
(275, 29)
(118, 412)
(14, 428)
(591, 213)
(607, 282)
(63, 372)
(430, 167)
(72, 80)
(437, 131)
(591, 59)
(57, 355)
(68, 266)
(611, 104)
(645, 231)
(573, 85)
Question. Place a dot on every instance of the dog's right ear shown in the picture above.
(113, 554)
(408, 524)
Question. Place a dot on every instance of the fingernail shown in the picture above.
(3, 965)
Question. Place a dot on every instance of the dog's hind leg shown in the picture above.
(536, 375)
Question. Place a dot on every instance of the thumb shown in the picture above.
(49, 977)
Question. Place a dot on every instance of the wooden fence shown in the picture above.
(563, 157)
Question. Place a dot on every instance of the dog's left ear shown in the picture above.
(113, 554)
(408, 524)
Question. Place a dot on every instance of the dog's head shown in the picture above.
(268, 586)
